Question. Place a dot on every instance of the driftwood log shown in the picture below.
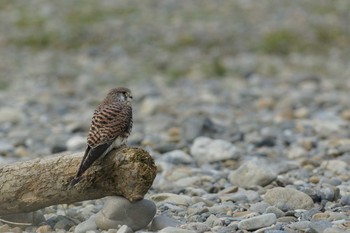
(32, 185)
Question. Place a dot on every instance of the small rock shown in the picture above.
(259, 207)
(177, 157)
(175, 230)
(272, 209)
(163, 221)
(16, 230)
(288, 199)
(320, 226)
(62, 222)
(296, 152)
(206, 150)
(149, 106)
(119, 211)
(346, 114)
(87, 225)
(212, 221)
(197, 227)
(194, 127)
(6, 147)
(234, 197)
(5, 228)
(314, 179)
(58, 148)
(335, 166)
(252, 173)
(257, 222)
(300, 226)
(11, 115)
(44, 229)
(76, 143)
(125, 229)
(172, 198)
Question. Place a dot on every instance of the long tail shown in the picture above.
(90, 156)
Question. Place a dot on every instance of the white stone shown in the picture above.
(206, 150)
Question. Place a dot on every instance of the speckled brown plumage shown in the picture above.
(111, 125)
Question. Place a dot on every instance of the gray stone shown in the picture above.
(87, 225)
(62, 222)
(119, 211)
(234, 197)
(6, 147)
(177, 157)
(162, 221)
(172, 198)
(252, 173)
(336, 166)
(125, 229)
(175, 230)
(259, 207)
(150, 105)
(319, 226)
(43, 229)
(212, 221)
(257, 222)
(76, 143)
(300, 226)
(275, 210)
(288, 199)
(197, 227)
(206, 150)
(11, 115)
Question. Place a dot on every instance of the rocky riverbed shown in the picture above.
(245, 140)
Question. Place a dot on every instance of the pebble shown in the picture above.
(119, 211)
(252, 173)
(125, 229)
(259, 207)
(11, 115)
(162, 221)
(172, 198)
(88, 225)
(197, 227)
(257, 222)
(288, 199)
(206, 150)
(175, 230)
(212, 221)
(272, 209)
(44, 229)
(177, 157)
(319, 226)
(76, 143)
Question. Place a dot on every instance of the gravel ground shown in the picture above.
(244, 107)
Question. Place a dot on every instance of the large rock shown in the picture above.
(252, 173)
(288, 199)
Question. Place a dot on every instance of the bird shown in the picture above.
(110, 127)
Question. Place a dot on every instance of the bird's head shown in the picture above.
(119, 94)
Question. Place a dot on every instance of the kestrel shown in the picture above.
(110, 127)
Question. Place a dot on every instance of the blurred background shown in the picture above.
(229, 62)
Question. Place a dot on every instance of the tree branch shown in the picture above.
(32, 185)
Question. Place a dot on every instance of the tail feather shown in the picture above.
(90, 156)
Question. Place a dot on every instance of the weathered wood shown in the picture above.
(32, 185)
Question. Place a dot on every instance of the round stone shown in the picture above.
(119, 211)
(288, 199)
